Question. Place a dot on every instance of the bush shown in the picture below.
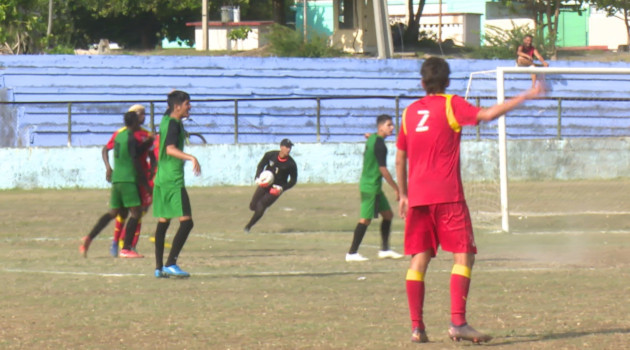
(502, 43)
(60, 50)
(286, 42)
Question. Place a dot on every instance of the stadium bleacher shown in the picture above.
(276, 97)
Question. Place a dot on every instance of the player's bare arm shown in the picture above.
(401, 174)
(491, 113)
(540, 58)
(390, 180)
(108, 167)
(173, 151)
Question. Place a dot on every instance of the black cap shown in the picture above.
(286, 143)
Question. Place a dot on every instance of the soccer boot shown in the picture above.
(175, 271)
(113, 250)
(355, 257)
(466, 332)
(389, 254)
(83, 248)
(419, 336)
(130, 254)
(160, 274)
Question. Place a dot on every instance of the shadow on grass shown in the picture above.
(552, 336)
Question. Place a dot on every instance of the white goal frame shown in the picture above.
(500, 78)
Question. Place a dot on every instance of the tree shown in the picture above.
(413, 25)
(23, 25)
(546, 15)
(616, 8)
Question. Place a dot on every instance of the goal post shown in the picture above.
(501, 73)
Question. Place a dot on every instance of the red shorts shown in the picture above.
(446, 224)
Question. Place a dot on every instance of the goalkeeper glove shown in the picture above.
(275, 190)
(260, 183)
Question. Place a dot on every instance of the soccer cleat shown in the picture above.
(130, 254)
(83, 248)
(419, 336)
(246, 230)
(160, 274)
(113, 250)
(389, 254)
(466, 332)
(174, 270)
(355, 257)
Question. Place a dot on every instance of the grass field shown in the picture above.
(286, 284)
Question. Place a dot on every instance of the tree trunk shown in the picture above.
(278, 12)
(413, 25)
(625, 17)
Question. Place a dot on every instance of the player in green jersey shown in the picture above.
(126, 177)
(373, 200)
(170, 199)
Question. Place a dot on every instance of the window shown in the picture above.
(346, 14)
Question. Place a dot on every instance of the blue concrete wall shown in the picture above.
(529, 160)
(214, 82)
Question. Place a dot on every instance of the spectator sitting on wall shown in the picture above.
(525, 56)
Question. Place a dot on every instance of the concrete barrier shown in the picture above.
(225, 165)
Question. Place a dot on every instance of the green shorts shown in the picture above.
(170, 202)
(124, 195)
(372, 204)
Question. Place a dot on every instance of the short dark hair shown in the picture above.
(435, 72)
(176, 97)
(131, 118)
(528, 36)
(383, 118)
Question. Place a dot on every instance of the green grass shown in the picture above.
(286, 285)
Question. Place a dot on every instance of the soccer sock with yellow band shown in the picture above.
(415, 297)
(118, 227)
(460, 284)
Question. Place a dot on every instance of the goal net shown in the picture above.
(559, 163)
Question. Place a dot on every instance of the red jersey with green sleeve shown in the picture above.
(430, 134)
(141, 136)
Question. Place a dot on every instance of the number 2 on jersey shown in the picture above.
(424, 116)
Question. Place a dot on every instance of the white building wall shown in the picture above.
(606, 30)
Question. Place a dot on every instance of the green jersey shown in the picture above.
(125, 157)
(170, 171)
(374, 157)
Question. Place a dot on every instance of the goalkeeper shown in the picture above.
(285, 172)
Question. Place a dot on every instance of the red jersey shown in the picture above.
(430, 135)
(528, 50)
(141, 136)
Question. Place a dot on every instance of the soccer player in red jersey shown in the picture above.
(145, 138)
(431, 193)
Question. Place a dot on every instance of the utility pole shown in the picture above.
(50, 10)
(305, 17)
(204, 24)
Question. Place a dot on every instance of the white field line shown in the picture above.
(295, 273)
(559, 213)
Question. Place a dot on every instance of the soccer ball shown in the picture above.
(265, 178)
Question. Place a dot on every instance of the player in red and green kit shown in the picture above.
(431, 193)
(145, 138)
(170, 199)
(126, 177)
(373, 200)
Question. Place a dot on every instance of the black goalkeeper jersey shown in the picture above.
(284, 170)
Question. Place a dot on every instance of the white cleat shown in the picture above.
(355, 257)
(389, 254)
